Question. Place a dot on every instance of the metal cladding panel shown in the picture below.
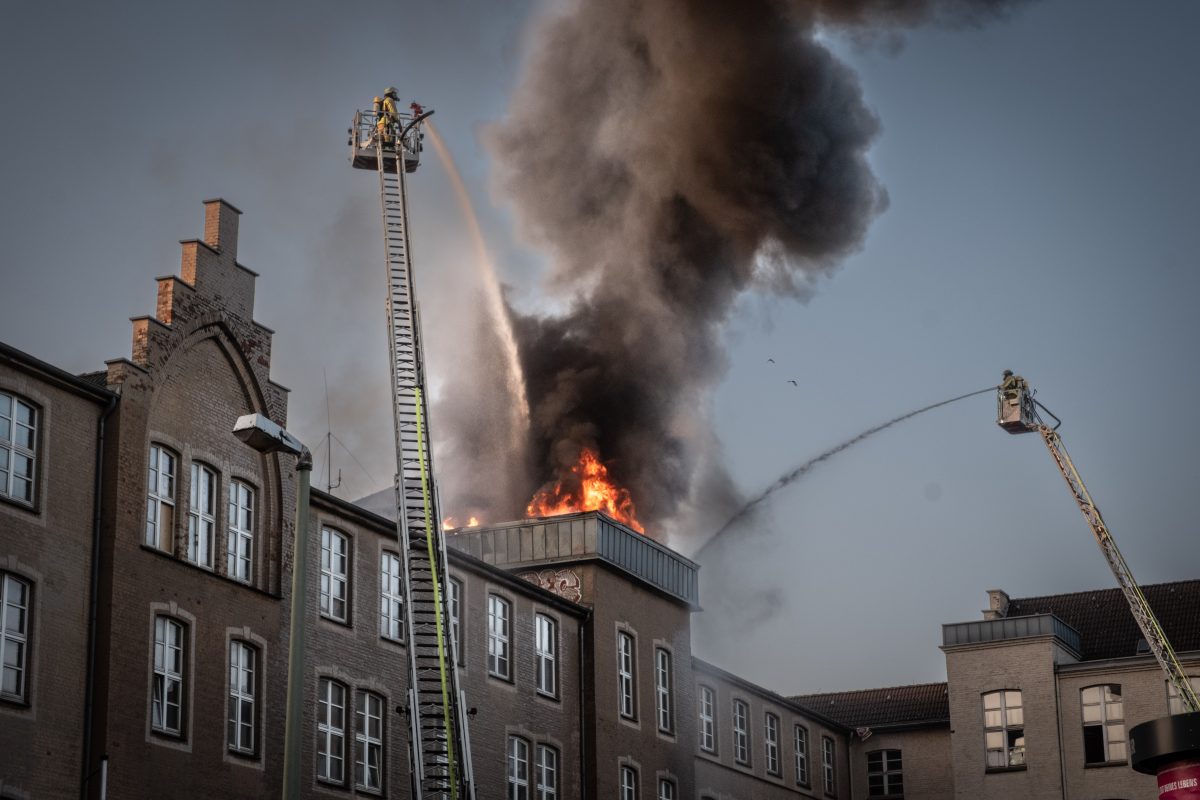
(648, 560)
(996, 630)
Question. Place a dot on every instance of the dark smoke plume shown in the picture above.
(669, 155)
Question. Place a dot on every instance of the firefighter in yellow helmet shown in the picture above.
(387, 118)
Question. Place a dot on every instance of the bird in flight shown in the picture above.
(770, 361)
(793, 383)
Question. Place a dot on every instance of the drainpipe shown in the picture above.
(93, 602)
(584, 778)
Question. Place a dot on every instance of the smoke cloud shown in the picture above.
(668, 156)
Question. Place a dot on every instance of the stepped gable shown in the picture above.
(915, 704)
(212, 297)
(1106, 625)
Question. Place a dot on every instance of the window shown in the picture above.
(666, 789)
(202, 520)
(14, 637)
(368, 735)
(884, 775)
(626, 700)
(160, 500)
(1174, 702)
(331, 731)
(546, 647)
(741, 736)
(391, 598)
(1103, 724)
(771, 738)
(1004, 729)
(499, 613)
(518, 769)
(664, 702)
(167, 698)
(547, 772)
(455, 605)
(827, 755)
(708, 738)
(801, 741)
(240, 544)
(242, 662)
(334, 550)
(18, 433)
(629, 783)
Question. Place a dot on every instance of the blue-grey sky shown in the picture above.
(1043, 216)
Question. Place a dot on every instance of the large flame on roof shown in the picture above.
(586, 487)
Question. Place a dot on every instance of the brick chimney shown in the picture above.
(997, 604)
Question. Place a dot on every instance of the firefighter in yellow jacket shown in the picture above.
(387, 118)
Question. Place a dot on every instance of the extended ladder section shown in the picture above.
(439, 742)
(1142, 613)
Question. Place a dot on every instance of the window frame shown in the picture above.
(161, 674)
(741, 732)
(11, 450)
(19, 639)
(707, 722)
(626, 675)
(671, 790)
(546, 763)
(545, 658)
(771, 743)
(499, 637)
(1004, 729)
(454, 601)
(664, 690)
(365, 743)
(516, 755)
(630, 789)
(800, 754)
(240, 536)
(391, 597)
(328, 733)
(331, 578)
(1106, 692)
(1174, 701)
(238, 697)
(886, 773)
(163, 541)
(202, 524)
(829, 765)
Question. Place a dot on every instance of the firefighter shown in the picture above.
(1013, 386)
(387, 117)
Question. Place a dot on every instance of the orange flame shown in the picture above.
(587, 488)
(448, 524)
(473, 522)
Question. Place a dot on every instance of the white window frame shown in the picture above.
(546, 772)
(368, 740)
(1109, 716)
(202, 514)
(664, 695)
(335, 577)
(18, 443)
(242, 721)
(16, 603)
(160, 499)
(829, 765)
(499, 637)
(666, 789)
(741, 732)
(771, 742)
(454, 605)
(546, 654)
(170, 670)
(518, 769)
(1174, 702)
(239, 545)
(1004, 718)
(391, 596)
(800, 740)
(891, 779)
(708, 719)
(629, 782)
(626, 672)
(331, 707)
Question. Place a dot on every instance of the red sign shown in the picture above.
(1179, 783)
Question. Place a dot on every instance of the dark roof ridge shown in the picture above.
(876, 689)
(1105, 589)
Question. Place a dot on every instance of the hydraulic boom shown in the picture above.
(1018, 413)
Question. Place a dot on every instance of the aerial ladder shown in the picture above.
(439, 745)
(1018, 412)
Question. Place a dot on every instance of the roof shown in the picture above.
(915, 704)
(97, 378)
(1106, 625)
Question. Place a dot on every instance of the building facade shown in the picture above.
(145, 578)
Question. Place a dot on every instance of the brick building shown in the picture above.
(145, 557)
